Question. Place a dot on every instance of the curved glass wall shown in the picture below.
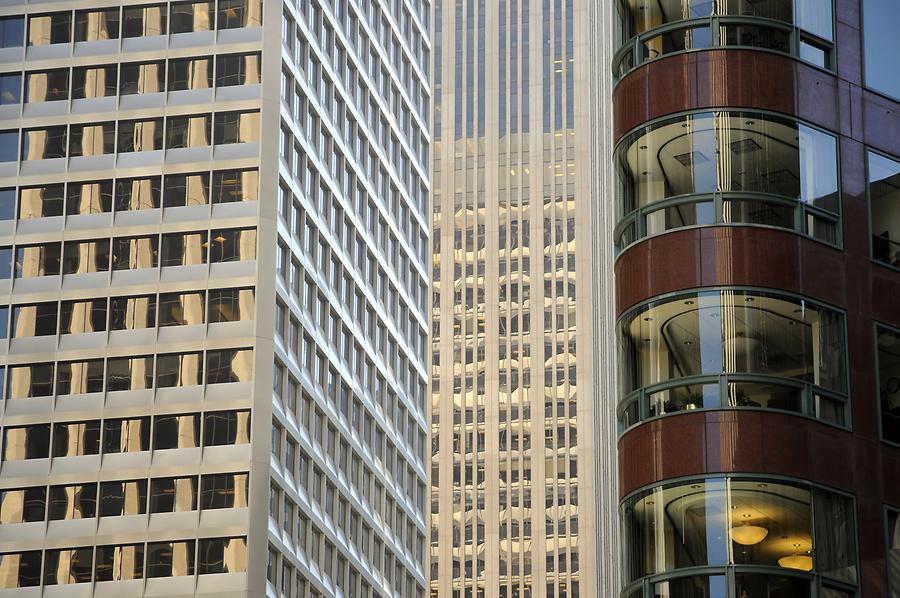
(650, 29)
(727, 167)
(777, 538)
(730, 348)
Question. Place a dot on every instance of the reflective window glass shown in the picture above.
(90, 82)
(144, 21)
(54, 28)
(92, 140)
(35, 320)
(35, 380)
(888, 364)
(93, 197)
(173, 495)
(187, 17)
(133, 253)
(136, 77)
(226, 427)
(82, 316)
(129, 373)
(176, 431)
(184, 249)
(76, 439)
(22, 506)
(68, 565)
(229, 365)
(26, 442)
(239, 13)
(20, 569)
(884, 207)
(236, 127)
(72, 502)
(132, 313)
(94, 25)
(235, 185)
(142, 193)
(9, 146)
(79, 377)
(231, 305)
(237, 69)
(44, 144)
(118, 499)
(222, 555)
(119, 563)
(10, 89)
(233, 245)
(12, 32)
(41, 202)
(7, 202)
(47, 86)
(181, 309)
(81, 257)
(186, 189)
(223, 491)
(38, 260)
(140, 136)
(190, 73)
(126, 435)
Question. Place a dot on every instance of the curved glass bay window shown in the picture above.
(727, 167)
(651, 29)
(729, 348)
(778, 538)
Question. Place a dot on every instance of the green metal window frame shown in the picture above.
(634, 223)
(810, 407)
(643, 588)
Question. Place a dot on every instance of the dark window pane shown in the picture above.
(34, 320)
(233, 245)
(140, 194)
(222, 555)
(888, 364)
(132, 313)
(76, 439)
(180, 309)
(94, 82)
(6, 266)
(41, 202)
(38, 260)
(7, 199)
(12, 32)
(70, 565)
(22, 506)
(226, 427)
(43, 144)
(55, 28)
(223, 491)
(188, 17)
(129, 373)
(236, 127)
(92, 140)
(229, 365)
(187, 131)
(93, 197)
(119, 563)
(34, 380)
(239, 13)
(10, 89)
(79, 377)
(173, 495)
(9, 146)
(183, 249)
(27, 442)
(235, 185)
(144, 21)
(47, 86)
(237, 69)
(123, 498)
(176, 431)
(135, 252)
(139, 77)
(139, 136)
(190, 73)
(186, 190)
(82, 316)
(20, 569)
(170, 559)
(72, 502)
(86, 257)
(93, 25)
(231, 305)
(126, 435)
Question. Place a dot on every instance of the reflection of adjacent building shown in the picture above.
(515, 469)
(756, 299)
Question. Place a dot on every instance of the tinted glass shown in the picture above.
(143, 21)
(126, 435)
(170, 559)
(119, 563)
(10, 89)
(72, 502)
(123, 498)
(223, 491)
(22, 506)
(176, 431)
(12, 32)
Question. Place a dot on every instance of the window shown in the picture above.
(126, 435)
(884, 207)
(183, 249)
(68, 565)
(129, 373)
(141, 194)
(20, 569)
(119, 563)
(138, 77)
(10, 89)
(43, 144)
(92, 140)
(26, 442)
(26, 381)
(22, 506)
(190, 73)
(239, 13)
(224, 491)
(9, 146)
(79, 377)
(72, 502)
(140, 136)
(173, 495)
(237, 69)
(231, 305)
(178, 369)
(226, 428)
(41, 202)
(94, 197)
(85, 257)
(893, 552)
(176, 431)
(186, 189)
(133, 253)
(229, 365)
(132, 313)
(38, 260)
(76, 439)
(233, 245)
(235, 185)
(888, 364)
(34, 320)
(222, 555)
(12, 35)
(47, 86)
(82, 316)
(187, 17)
(170, 559)
(90, 82)
(93, 25)
(55, 28)
(669, 179)
(144, 21)
(119, 499)
(880, 43)
(722, 522)
(236, 127)
(181, 309)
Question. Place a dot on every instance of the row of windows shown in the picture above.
(91, 82)
(128, 253)
(97, 139)
(76, 439)
(122, 562)
(128, 373)
(129, 313)
(125, 195)
(133, 21)
(122, 498)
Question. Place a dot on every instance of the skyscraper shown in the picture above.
(521, 463)
(213, 253)
(757, 283)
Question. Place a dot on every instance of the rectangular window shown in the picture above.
(68, 565)
(879, 18)
(12, 33)
(187, 131)
(55, 28)
(79, 377)
(222, 428)
(884, 207)
(181, 309)
(146, 77)
(27, 381)
(235, 185)
(92, 197)
(233, 245)
(129, 373)
(888, 367)
(119, 563)
(34, 320)
(236, 127)
(231, 305)
(92, 140)
(82, 316)
(76, 439)
(22, 506)
(222, 555)
(90, 82)
(94, 25)
(144, 21)
(176, 431)
(81, 257)
(41, 202)
(229, 365)
(239, 13)
(170, 559)
(190, 73)
(119, 499)
(132, 313)
(43, 144)
(140, 136)
(223, 491)
(72, 502)
(38, 260)
(9, 146)
(178, 369)
(144, 193)
(10, 89)
(173, 495)
(237, 69)
(187, 17)
(186, 189)
(183, 249)
(126, 435)
(26, 442)
(47, 86)
(133, 253)
(20, 569)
